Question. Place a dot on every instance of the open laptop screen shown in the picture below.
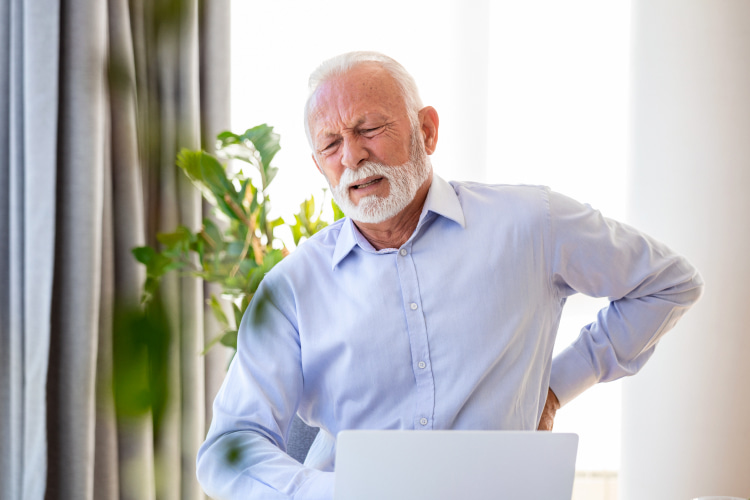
(454, 465)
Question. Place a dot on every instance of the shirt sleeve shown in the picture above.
(243, 455)
(649, 287)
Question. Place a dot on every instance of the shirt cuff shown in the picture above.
(571, 375)
(319, 486)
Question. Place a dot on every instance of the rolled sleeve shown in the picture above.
(649, 287)
(319, 486)
(571, 375)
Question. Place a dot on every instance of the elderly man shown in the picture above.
(432, 305)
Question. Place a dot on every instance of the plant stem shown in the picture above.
(203, 234)
(236, 209)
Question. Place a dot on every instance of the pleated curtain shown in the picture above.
(96, 98)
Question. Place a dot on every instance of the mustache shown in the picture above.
(368, 169)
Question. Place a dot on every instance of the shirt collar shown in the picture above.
(441, 200)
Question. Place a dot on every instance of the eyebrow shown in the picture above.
(359, 122)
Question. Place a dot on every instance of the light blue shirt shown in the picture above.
(454, 330)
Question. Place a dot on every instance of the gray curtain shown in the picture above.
(96, 98)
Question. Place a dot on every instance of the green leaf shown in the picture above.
(235, 248)
(237, 315)
(234, 450)
(270, 174)
(253, 198)
(208, 175)
(266, 143)
(296, 230)
(172, 265)
(227, 138)
(212, 236)
(180, 237)
(255, 277)
(159, 265)
(229, 339)
(190, 162)
(246, 301)
(337, 212)
(199, 247)
(144, 255)
(149, 290)
(246, 266)
(219, 312)
(271, 259)
(214, 176)
(308, 208)
(238, 230)
(140, 351)
(243, 189)
(212, 343)
(262, 214)
(308, 220)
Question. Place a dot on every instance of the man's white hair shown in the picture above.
(341, 64)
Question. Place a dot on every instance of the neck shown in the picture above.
(395, 231)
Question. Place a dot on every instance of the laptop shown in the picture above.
(454, 465)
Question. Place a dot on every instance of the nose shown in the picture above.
(353, 153)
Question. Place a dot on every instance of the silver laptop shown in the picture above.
(454, 465)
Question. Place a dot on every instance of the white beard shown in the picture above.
(403, 180)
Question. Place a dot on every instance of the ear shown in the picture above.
(312, 155)
(429, 121)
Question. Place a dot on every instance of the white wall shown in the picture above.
(686, 423)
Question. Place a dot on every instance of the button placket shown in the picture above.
(417, 331)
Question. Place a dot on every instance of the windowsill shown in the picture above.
(595, 485)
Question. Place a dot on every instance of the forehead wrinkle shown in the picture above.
(329, 127)
(334, 127)
(346, 101)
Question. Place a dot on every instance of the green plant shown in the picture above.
(240, 247)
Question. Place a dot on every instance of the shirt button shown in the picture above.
(422, 364)
(413, 306)
(423, 421)
(403, 252)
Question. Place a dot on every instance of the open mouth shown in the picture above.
(367, 184)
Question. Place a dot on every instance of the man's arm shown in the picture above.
(243, 455)
(649, 286)
(548, 413)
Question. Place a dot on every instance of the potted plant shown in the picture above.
(237, 247)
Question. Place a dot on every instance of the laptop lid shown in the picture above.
(454, 465)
